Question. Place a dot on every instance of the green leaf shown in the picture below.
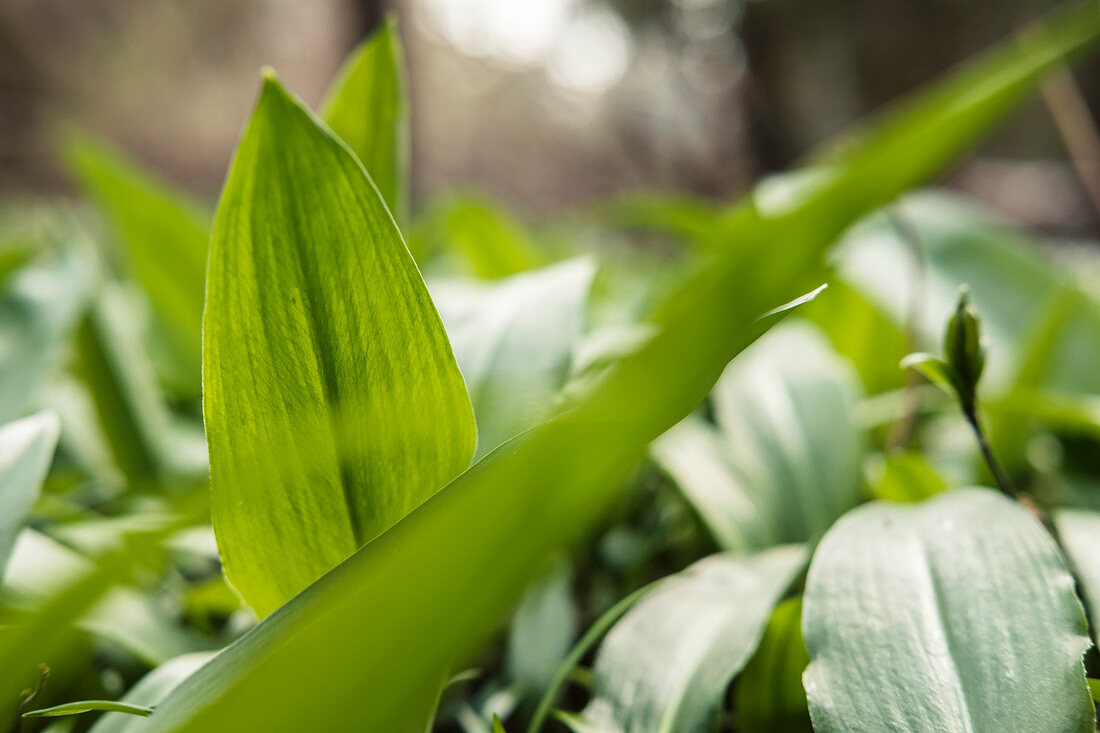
(907, 476)
(862, 333)
(953, 615)
(489, 240)
(666, 665)
(39, 307)
(692, 219)
(365, 107)
(26, 450)
(514, 341)
(41, 568)
(542, 631)
(1079, 533)
(769, 696)
(935, 370)
(146, 441)
(498, 727)
(150, 690)
(594, 633)
(88, 706)
(375, 623)
(164, 237)
(332, 399)
(1012, 284)
(785, 461)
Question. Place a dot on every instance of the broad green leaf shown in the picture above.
(163, 236)
(365, 107)
(514, 341)
(332, 399)
(1079, 534)
(666, 664)
(26, 449)
(785, 459)
(322, 660)
(769, 696)
(485, 236)
(89, 706)
(957, 614)
(151, 689)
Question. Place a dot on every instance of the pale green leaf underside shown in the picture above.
(514, 341)
(365, 107)
(1079, 532)
(957, 614)
(666, 664)
(26, 450)
(332, 399)
(784, 461)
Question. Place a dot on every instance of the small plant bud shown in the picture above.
(962, 347)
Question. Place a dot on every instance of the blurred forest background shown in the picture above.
(542, 103)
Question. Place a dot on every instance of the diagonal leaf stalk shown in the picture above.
(593, 635)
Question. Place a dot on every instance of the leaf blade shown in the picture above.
(955, 615)
(26, 450)
(666, 664)
(365, 107)
(332, 407)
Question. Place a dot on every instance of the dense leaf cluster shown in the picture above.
(313, 462)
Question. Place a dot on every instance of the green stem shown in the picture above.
(999, 474)
(597, 630)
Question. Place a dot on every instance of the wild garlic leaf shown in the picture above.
(1012, 282)
(163, 237)
(366, 108)
(40, 568)
(542, 632)
(768, 696)
(514, 340)
(26, 451)
(957, 614)
(784, 459)
(39, 306)
(332, 399)
(374, 624)
(666, 664)
(483, 235)
(1079, 532)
